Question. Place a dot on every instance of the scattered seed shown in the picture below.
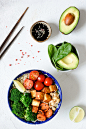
(28, 55)
(21, 56)
(23, 53)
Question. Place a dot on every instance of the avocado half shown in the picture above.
(69, 20)
(69, 62)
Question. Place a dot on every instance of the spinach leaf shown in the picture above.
(57, 66)
(57, 53)
(63, 51)
(51, 50)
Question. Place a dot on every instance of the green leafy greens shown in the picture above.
(18, 109)
(26, 99)
(19, 104)
(15, 95)
(29, 115)
(56, 53)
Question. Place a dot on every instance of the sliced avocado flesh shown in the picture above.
(66, 29)
(69, 62)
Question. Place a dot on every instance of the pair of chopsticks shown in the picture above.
(6, 39)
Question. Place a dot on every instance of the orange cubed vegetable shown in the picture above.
(39, 95)
(53, 88)
(35, 102)
(33, 93)
(46, 90)
(47, 98)
(34, 109)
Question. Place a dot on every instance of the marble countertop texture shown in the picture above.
(73, 83)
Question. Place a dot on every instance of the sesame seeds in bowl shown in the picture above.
(40, 31)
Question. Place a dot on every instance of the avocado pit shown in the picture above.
(69, 19)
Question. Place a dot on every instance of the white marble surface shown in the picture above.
(73, 83)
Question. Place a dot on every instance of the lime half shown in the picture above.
(76, 114)
(19, 86)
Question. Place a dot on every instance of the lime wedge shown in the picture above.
(76, 114)
(19, 86)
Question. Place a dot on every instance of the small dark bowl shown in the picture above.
(74, 50)
(59, 90)
(40, 31)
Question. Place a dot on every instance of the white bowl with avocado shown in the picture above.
(64, 56)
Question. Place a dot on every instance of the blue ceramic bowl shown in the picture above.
(60, 95)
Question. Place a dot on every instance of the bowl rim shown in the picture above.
(50, 30)
(57, 84)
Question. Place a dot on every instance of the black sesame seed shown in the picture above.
(40, 32)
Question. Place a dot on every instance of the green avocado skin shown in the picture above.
(73, 66)
(71, 29)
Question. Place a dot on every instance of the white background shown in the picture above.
(73, 83)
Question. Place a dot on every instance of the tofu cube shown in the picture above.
(39, 95)
(47, 98)
(53, 88)
(35, 103)
(57, 100)
(33, 93)
(46, 90)
(34, 109)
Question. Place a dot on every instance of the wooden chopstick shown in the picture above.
(12, 29)
(10, 43)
